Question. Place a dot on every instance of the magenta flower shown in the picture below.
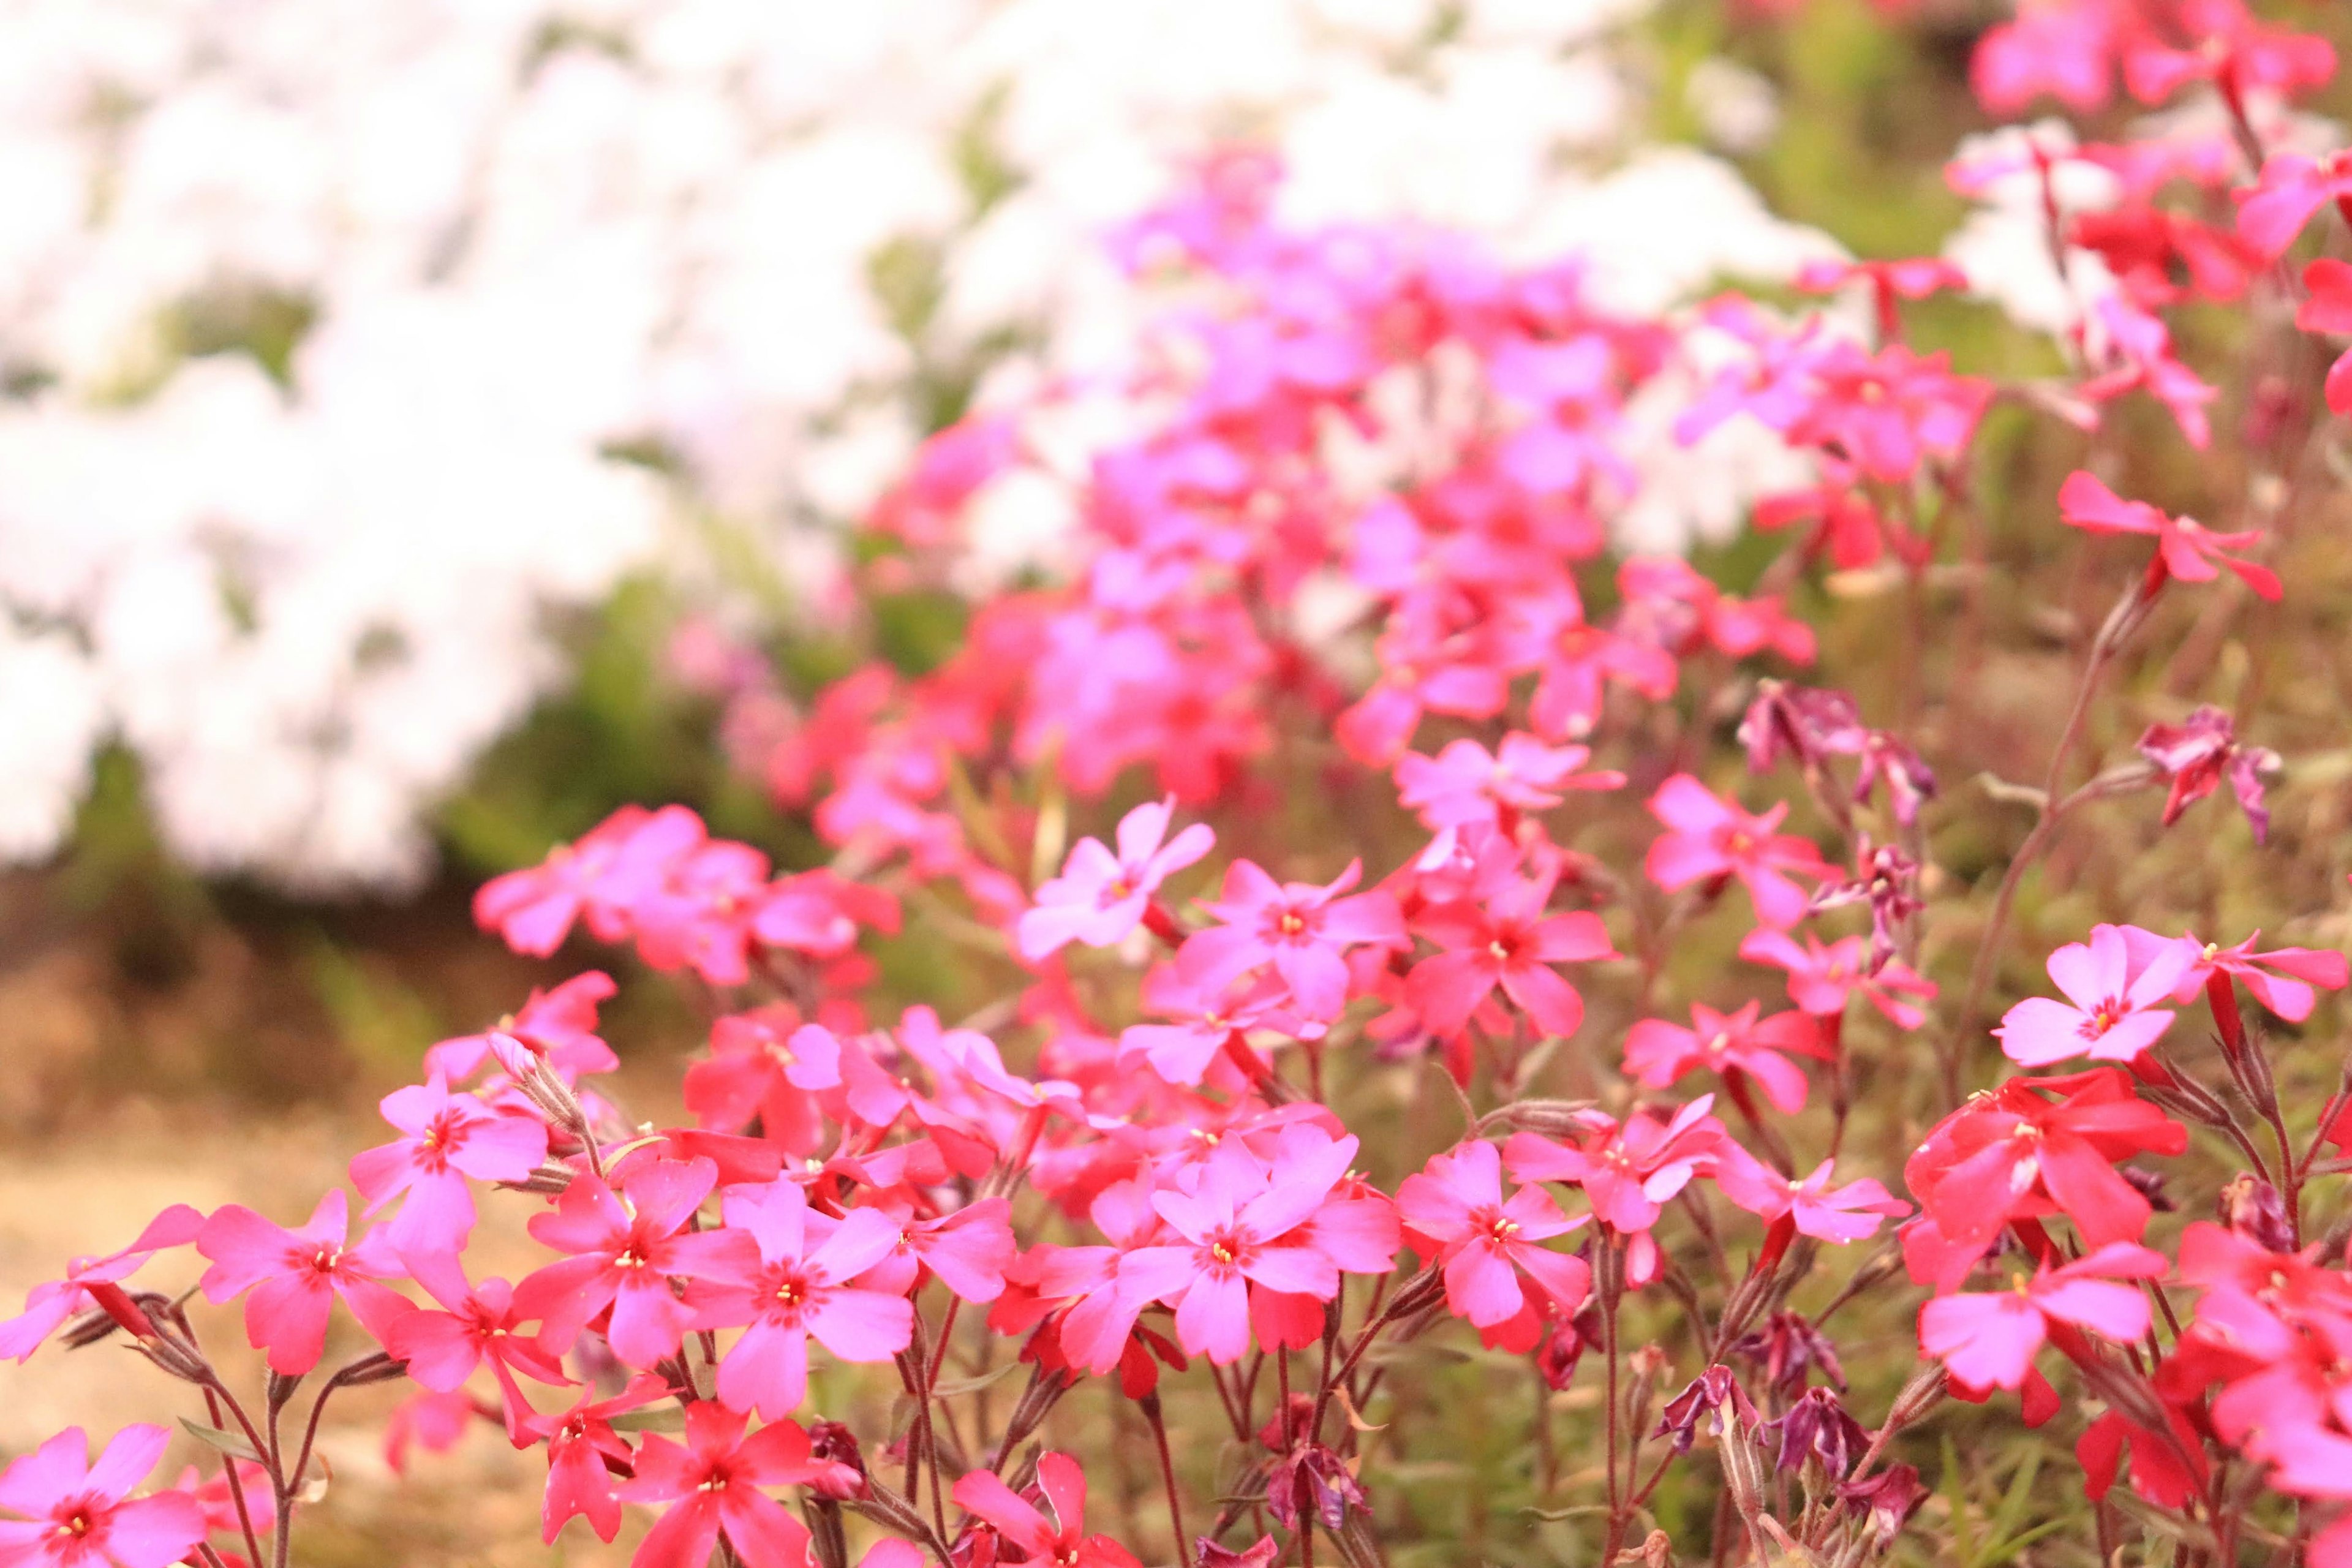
(1303, 930)
(1060, 1540)
(1847, 1213)
(579, 1442)
(2114, 993)
(1988, 1339)
(295, 1277)
(714, 1480)
(2189, 550)
(1507, 941)
(1466, 783)
(1100, 896)
(477, 1325)
(799, 1287)
(1658, 1053)
(1484, 1243)
(75, 1514)
(451, 1137)
(2195, 756)
(626, 1248)
(1822, 976)
(47, 1307)
(1707, 837)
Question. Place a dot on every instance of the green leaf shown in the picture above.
(232, 1444)
(1956, 1493)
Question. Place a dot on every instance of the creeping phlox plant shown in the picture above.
(1241, 1133)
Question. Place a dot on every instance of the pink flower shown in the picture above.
(1465, 783)
(968, 1249)
(1988, 1341)
(1239, 1227)
(624, 1255)
(1823, 976)
(1707, 838)
(1484, 1243)
(615, 864)
(1058, 1540)
(556, 1027)
(295, 1277)
(2327, 307)
(1507, 941)
(699, 915)
(2114, 993)
(450, 1137)
(798, 1288)
(1627, 1170)
(478, 1324)
(2189, 550)
(74, 1514)
(579, 1441)
(1100, 896)
(1203, 1013)
(2195, 756)
(714, 1480)
(1658, 1053)
(1846, 1215)
(761, 1065)
(2281, 979)
(48, 1306)
(1303, 930)
(2290, 189)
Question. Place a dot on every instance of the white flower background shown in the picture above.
(510, 238)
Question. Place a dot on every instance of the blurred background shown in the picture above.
(426, 426)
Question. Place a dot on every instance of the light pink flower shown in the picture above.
(1100, 896)
(1988, 1339)
(2114, 995)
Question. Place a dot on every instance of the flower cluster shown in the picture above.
(1480, 934)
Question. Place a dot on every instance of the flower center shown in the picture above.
(1291, 924)
(792, 1292)
(630, 1257)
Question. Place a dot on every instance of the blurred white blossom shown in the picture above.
(489, 244)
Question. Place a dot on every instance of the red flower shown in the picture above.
(714, 1481)
(1658, 1053)
(2189, 550)
(1057, 1541)
(295, 1277)
(627, 1248)
(1507, 941)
